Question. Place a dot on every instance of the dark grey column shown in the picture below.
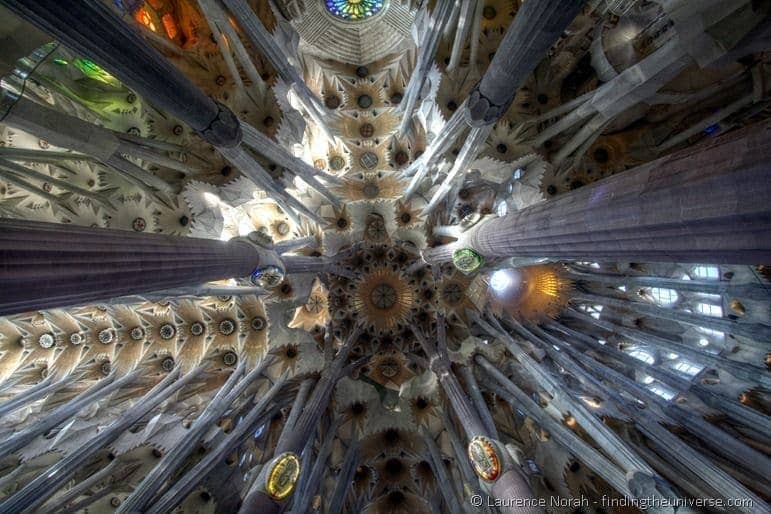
(17, 39)
(534, 30)
(44, 265)
(36, 492)
(319, 399)
(511, 483)
(741, 370)
(444, 481)
(746, 416)
(479, 401)
(440, 364)
(704, 204)
(92, 29)
(344, 478)
(425, 59)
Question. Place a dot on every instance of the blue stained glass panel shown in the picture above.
(353, 10)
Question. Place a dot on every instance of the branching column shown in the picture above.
(257, 499)
(536, 27)
(94, 30)
(703, 204)
(752, 291)
(255, 416)
(44, 265)
(510, 483)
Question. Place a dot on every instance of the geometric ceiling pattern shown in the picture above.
(385, 256)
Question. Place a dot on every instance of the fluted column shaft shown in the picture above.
(536, 27)
(478, 400)
(724, 444)
(307, 490)
(759, 333)
(443, 479)
(752, 291)
(173, 459)
(256, 500)
(748, 417)
(703, 204)
(461, 404)
(459, 400)
(741, 370)
(345, 477)
(44, 265)
(426, 50)
(297, 408)
(34, 393)
(96, 392)
(319, 400)
(54, 505)
(256, 416)
(595, 460)
(511, 483)
(94, 30)
(567, 401)
(674, 448)
(44, 485)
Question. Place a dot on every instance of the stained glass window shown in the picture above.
(93, 71)
(354, 10)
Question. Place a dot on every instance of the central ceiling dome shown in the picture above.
(353, 31)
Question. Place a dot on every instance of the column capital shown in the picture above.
(224, 131)
(481, 110)
(440, 366)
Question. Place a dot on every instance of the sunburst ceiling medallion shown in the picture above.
(384, 299)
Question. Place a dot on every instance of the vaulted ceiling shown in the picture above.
(499, 256)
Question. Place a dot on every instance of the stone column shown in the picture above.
(703, 204)
(344, 478)
(319, 400)
(45, 265)
(153, 481)
(308, 488)
(440, 364)
(534, 30)
(427, 46)
(752, 291)
(263, 41)
(297, 408)
(746, 416)
(536, 27)
(444, 480)
(594, 459)
(40, 390)
(478, 400)
(36, 492)
(96, 392)
(254, 416)
(18, 39)
(758, 333)
(257, 499)
(93, 29)
(510, 483)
